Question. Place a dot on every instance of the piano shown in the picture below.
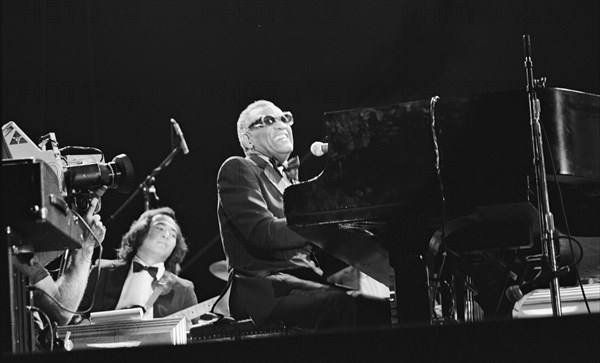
(398, 177)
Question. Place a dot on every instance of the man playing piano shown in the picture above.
(148, 256)
(273, 275)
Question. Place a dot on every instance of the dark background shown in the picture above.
(111, 74)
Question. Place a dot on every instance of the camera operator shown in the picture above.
(59, 299)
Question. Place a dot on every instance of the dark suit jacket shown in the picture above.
(252, 223)
(257, 242)
(110, 283)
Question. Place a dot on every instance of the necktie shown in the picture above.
(290, 167)
(137, 267)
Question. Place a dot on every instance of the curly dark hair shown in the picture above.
(138, 231)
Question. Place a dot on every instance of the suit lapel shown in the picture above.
(270, 173)
(114, 284)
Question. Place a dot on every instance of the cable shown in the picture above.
(48, 321)
(502, 293)
(438, 170)
(63, 263)
(58, 303)
(101, 250)
(87, 226)
(564, 215)
(573, 239)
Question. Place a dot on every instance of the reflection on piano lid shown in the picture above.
(381, 165)
(572, 122)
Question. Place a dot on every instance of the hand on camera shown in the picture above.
(93, 220)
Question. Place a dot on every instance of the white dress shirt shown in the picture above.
(138, 287)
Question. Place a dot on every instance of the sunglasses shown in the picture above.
(268, 120)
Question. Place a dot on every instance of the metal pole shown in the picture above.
(546, 217)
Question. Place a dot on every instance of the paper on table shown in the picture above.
(132, 314)
(129, 344)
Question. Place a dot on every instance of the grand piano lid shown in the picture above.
(571, 120)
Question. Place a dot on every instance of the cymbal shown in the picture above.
(219, 270)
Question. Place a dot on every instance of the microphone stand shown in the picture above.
(147, 186)
(546, 217)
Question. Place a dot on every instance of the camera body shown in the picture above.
(77, 171)
(45, 190)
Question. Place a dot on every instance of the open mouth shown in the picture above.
(281, 138)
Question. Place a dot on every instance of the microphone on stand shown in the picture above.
(528, 63)
(319, 149)
(179, 133)
(516, 292)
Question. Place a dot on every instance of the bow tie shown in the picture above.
(137, 267)
(290, 167)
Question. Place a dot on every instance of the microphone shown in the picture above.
(179, 133)
(516, 292)
(527, 46)
(528, 62)
(318, 148)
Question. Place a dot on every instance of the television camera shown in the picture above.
(45, 189)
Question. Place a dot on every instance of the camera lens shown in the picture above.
(117, 174)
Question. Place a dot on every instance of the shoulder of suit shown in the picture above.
(236, 164)
(235, 160)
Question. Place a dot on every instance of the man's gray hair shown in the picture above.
(244, 120)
